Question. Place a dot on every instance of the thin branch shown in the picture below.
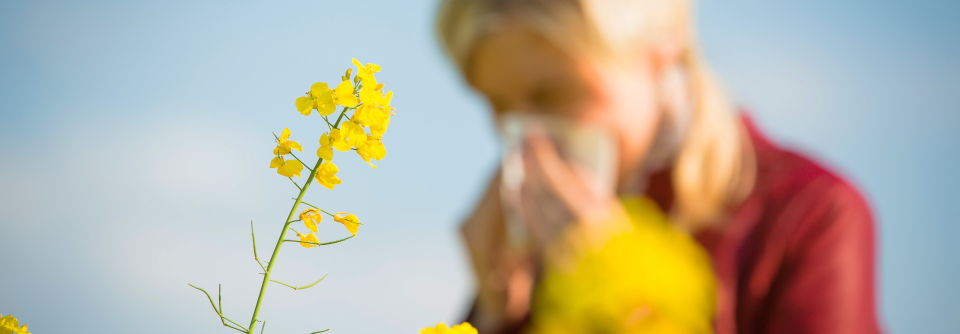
(321, 331)
(328, 122)
(255, 257)
(319, 244)
(295, 183)
(264, 326)
(301, 162)
(294, 156)
(315, 207)
(300, 287)
(222, 318)
(337, 124)
(331, 215)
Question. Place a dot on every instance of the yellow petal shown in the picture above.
(276, 162)
(464, 328)
(290, 168)
(370, 96)
(354, 133)
(343, 95)
(372, 149)
(377, 130)
(285, 134)
(305, 105)
(338, 140)
(327, 108)
(327, 175)
(325, 153)
(309, 237)
(292, 145)
(280, 150)
(349, 221)
(319, 89)
(311, 217)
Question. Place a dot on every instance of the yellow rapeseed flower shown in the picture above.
(441, 328)
(285, 146)
(10, 325)
(327, 175)
(377, 130)
(349, 221)
(372, 149)
(287, 168)
(323, 96)
(353, 133)
(365, 72)
(325, 151)
(343, 95)
(311, 217)
(375, 117)
(338, 140)
(371, 96)
(320, 97)
(309, 237)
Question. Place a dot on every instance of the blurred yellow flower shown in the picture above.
(320, 98)
(655, 279)
(349, 221)
(327, 175)
(344, 95)
(285, 146)
(372, 149)
(10, 325)
(441, 328)
(353, 133)
(365, 72)
(309, 237)
(311, 217)
(287, 168)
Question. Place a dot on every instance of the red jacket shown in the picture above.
(797, 256)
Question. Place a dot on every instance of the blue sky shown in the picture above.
(136, 140)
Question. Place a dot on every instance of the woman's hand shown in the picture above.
(558, 200)
(504, 276)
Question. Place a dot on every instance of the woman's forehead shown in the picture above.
(516, 56)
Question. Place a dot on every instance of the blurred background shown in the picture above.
(136, 140)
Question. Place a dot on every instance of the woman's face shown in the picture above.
(518, 70)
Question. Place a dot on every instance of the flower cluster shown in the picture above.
(362, 131)
(371, 110)
(441, 328)
(284, 147)
(359, 126)
(311, 218)
(10, 325)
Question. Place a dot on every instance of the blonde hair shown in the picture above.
(714, 165)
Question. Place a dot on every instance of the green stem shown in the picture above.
(300, 287)
(315, 207)
(319, 244)
(276, 249)
(219, 313)
(343, 112)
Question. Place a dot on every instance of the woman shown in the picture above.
(790, 243)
